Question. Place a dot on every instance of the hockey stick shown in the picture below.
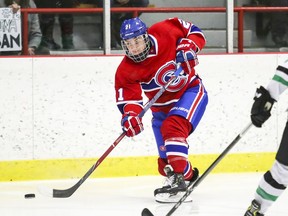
(57, 193)
(147, 212)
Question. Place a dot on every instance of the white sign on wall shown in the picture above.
(10, 30)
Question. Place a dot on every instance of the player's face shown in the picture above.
(135, 45)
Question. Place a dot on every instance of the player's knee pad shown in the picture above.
(175, 126)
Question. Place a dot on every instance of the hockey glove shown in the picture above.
(186, 55)
(132, 124)
(261, 107)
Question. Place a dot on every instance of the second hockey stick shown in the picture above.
(147, 212)
(64, 193)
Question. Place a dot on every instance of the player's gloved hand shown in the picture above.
(186, 55)
(261, 108)
(131, 123)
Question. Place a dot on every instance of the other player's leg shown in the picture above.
(273, 182)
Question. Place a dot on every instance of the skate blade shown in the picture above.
(168, 198)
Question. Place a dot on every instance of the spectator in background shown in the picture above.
(279, 24)
(274, 22)
(47, 22)
(34, 37)
(118, 18)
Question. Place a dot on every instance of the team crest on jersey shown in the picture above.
(164, 74)
(162, 148)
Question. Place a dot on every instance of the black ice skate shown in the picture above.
(253, 209)
(174, 187)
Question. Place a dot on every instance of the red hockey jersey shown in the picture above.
(150, 75)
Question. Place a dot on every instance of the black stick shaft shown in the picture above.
(146, 212)
(210, 168)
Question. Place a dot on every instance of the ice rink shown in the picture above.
(217, 195)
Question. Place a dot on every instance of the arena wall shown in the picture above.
(58, 116)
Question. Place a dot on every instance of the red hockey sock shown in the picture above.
(188, 171)
(178, 163)
(181, 165)
(162, 162)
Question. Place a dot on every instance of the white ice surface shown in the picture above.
(216, 195)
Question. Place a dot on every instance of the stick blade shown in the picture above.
(146, 212)
(55, 193)
(62, 193)
(65, 193)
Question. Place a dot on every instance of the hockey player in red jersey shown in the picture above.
(152, 55)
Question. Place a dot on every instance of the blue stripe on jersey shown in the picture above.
(151, 86)
(121, 105)
(195, 29)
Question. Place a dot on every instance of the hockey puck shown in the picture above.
(29, 196)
